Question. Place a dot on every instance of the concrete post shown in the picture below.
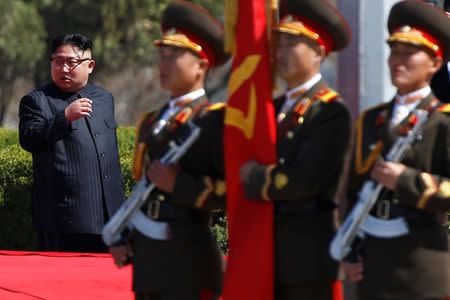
(363, 75)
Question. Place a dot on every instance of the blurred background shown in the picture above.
(123, 32)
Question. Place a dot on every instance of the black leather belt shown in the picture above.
(299, 208)
(169, 212)
(385, 209)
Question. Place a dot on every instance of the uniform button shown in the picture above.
(290, 134)
(97, 134)
(300, 120)
(106, 176)
(102, 155)
(395, 201)
(281, 161)
(161, 197)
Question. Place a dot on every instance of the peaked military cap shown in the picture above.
(316, 19)
(187, 25)
(419, 23)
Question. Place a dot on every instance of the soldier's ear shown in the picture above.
(204, 64)
(321, 52)
(437, 63)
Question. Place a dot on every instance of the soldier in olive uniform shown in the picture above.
(412, 263)
(189, 264)
(313, 132)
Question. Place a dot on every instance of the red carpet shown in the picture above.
(62, 276)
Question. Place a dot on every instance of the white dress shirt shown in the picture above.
(293, 94)
(404, 104)
(174, 107)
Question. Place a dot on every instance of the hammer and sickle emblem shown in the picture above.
(235, 117)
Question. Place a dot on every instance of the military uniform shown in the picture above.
(189, 262)
(191, 258)
(415, 265)
(313, 134)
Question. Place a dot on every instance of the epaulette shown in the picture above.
(327, 96)
(444, 108)
(377, 107)
(216, 106)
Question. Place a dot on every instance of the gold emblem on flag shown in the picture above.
(233, 116)
(281, 180)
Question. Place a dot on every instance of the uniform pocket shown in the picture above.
(111, 123)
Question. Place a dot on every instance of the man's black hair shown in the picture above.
(74, 39)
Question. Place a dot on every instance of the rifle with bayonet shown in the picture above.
(353, 226)
(129, 215)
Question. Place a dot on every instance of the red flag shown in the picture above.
(250, 134)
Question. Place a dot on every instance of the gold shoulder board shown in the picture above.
(328, 96)
(216, 106)
(444, 108)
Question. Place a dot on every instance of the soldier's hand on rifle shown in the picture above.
(121, 254)
(387, 173)
(354, 271)
(162, 176)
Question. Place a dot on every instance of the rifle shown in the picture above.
(129, 214)
(354, 225)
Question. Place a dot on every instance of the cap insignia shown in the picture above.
(171, 31)
(288, 19)
(405, 28)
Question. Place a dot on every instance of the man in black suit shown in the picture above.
(440, 84)
(69, 127)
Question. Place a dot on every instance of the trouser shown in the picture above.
(309, 290)
(175, 295)
(56, 241)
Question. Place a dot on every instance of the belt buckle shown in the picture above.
(153, 209)
(383, 209)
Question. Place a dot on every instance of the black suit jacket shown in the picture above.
(441, 84)
(77, 176)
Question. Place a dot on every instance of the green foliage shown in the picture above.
(15, 199)
(8, 137)
(219, 230)
(22, 45)
(125, 139)
(22, 36)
